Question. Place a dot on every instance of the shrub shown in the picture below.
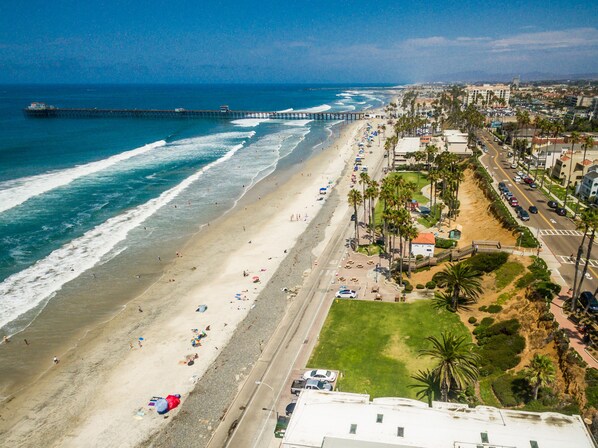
(494, 309)
(500, 345)
(592, 387)
(431, 284)
(472, 320)
(443, 243)
(419, 286)
(419, 257)
(408, 286)
(487, 261)
(503, 389)
(483, 308)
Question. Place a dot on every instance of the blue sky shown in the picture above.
(291, 41)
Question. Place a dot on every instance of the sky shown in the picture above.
(300, 41)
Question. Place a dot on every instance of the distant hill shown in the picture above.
(481, 76)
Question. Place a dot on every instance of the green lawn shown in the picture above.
(418, 178)
(375, 345)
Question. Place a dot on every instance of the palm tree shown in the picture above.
(574, 139)
(590, 224)
(461, 281)
(588, 143)
(371, 193)
(457, 363)
(427, 383)
(410, 234)
(355, 200)
(364, 180)
(540, 372)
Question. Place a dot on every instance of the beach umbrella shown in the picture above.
(141, 339)
(162, 406)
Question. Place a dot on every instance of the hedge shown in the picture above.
(443, 243)
(431, 284)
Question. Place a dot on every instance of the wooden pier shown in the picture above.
(55, 112)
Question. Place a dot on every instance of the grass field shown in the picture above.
(420, 179)
(507, 273)
(375, 345)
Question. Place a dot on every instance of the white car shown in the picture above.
(346, 294)
(517, 179)
(520, 173)
(513, 165)
(322, 375)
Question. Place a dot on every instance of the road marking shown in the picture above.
(560, 232)
(568, 260)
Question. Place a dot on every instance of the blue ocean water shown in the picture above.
(76, 194)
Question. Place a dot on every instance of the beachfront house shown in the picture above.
(423, 245)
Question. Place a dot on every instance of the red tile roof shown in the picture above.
(425, 238)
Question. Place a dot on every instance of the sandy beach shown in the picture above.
(98, 394)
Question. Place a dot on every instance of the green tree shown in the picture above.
(355, 200)
(457, 363)
(461, 281)
(540, 372)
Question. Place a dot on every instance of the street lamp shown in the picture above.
(259, 383)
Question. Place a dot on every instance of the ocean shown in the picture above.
(86, 200)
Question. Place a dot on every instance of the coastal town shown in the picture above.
(466, 284)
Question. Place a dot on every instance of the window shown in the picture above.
(400, 431)
(533, 444)
(353, 429)
(484, 436)
(379, 418)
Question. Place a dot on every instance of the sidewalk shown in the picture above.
(575, 335)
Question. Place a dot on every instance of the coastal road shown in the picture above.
(559, 234)
(251, 418)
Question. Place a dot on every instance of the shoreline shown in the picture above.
(102, 346)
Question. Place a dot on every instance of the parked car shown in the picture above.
(523, 215)
(588, 301)
(298, 385)
(518, 209)
(513, 165)
(533, 209)
(324, 375)
(561, 211)
(353, 217)
(553, 204)
(533, 185)
(346, 294)
(517, 179)
(501, 186)
(290, 408)
(528, 180)
(513, 201)
(520, 173)
(508, 195)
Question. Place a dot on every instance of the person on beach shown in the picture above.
(55, 360)
(26, 341)
(140, 344)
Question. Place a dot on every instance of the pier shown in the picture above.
(40, 110)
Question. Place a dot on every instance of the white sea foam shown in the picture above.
(316, 109)
(249, 122)
(296, 123)
(30, 287)
(15, 192)
(286, 110)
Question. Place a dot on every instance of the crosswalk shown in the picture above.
(571, 260)
(560, 232)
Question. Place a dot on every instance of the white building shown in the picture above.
(489, 94)
(455, 141)
(588, 186)
(423, 245)
(343, 420)
(405, 149)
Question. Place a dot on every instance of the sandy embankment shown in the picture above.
(92, 397)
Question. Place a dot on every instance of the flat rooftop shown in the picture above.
(407, 145)
(336, 419)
